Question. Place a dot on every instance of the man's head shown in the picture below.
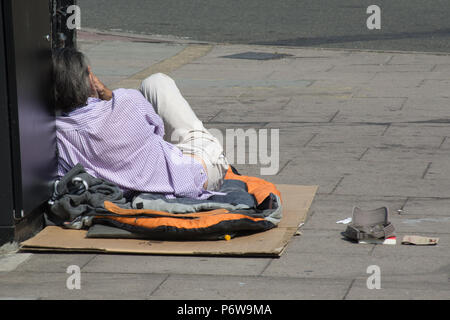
(71, 82)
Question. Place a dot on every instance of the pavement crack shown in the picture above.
(159, 285)
(215, 116)
(405, 100)
(310, 140)
(334, 116)
(402, 209)
(386, 130)
(443, 142)
(266, 267)
(388, 61)
(89, 261)
(287, 163)
(337, 185)
(348, 289)
(364, 153)
(311, 83)
(426, 170)
(270, 74)
(284, 106)
(374, 76)
(421, 83)
(372, 250)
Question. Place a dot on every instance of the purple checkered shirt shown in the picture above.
(122, 142)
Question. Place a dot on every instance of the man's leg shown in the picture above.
(183, 127)
(162, 92)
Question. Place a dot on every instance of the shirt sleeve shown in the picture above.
(150, 115)
(147, 109)
(122, 142)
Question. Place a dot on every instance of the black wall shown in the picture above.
(28, 133)
(6, 187)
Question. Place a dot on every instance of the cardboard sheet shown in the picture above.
(297, 201)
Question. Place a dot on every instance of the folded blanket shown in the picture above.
(79, 194)
(235, 197)
(245, 205)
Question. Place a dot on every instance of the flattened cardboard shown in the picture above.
(297, 201)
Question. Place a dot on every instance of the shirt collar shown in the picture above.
(82, 109)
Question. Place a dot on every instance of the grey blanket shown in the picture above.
(78, 194)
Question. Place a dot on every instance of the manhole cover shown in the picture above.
(258, 56)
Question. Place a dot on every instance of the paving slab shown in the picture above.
(391, 290)
(325, 242)
(412, 92)
(442, 69)
(329, 76)
(350, 266)
(424, 207)
(129, 57)
(54, 263)
(401, 153)
(419, 59)
(423, 225)
(393, 178)
(175, 265)
(181, 287)
(53, 286)
(368, 67)
(372, 110)
(340, 137)
(307, 173)
(398, 79)
(314, 153)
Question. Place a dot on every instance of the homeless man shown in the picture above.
(122, 136)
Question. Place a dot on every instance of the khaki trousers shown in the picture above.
(184, 129)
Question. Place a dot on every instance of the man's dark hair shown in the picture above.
(71, 86)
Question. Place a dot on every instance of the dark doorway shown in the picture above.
(28, 158)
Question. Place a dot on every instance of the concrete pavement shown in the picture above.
(371, 129)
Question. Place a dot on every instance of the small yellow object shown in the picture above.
(228, 237)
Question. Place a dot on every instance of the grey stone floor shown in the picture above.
(371, 129)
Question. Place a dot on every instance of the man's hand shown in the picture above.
(199, 159)
(103, 92)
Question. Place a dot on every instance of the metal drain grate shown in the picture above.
(258, 56)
